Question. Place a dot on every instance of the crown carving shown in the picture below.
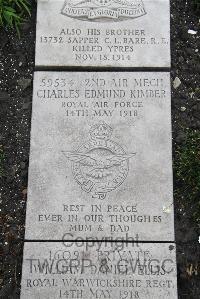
(101, 131)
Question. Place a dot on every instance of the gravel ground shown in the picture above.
(16, 73)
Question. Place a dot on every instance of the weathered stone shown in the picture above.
(176, 82)
(103, 33)
(99, 271)
(24, 83)
(100, 163)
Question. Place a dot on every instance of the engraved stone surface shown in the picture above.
(99, 271)
(103, 33)
(100, 161)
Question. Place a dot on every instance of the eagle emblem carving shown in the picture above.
(99, 165)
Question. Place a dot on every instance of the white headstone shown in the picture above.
(99, 271)
(103, 33)
(100, 162)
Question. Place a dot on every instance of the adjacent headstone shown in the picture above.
(103, 33)
(99, 271)
(100, 162)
